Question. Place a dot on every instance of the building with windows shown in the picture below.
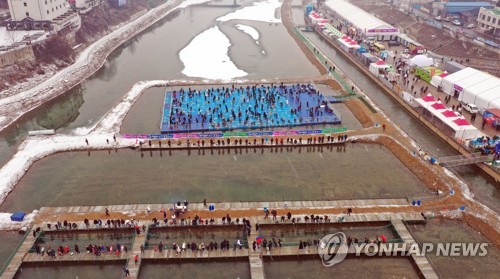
(458, 8)
(488, 21)
(41, 15)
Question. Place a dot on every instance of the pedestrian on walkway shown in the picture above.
(126, 271)
(107, 211)
(136, 259)
(142, 248)
(383, 127)
(87, 141)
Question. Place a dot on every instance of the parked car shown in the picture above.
(393, 43)
(471, 108)
(456, 22)
(438, 18)
(471, 26)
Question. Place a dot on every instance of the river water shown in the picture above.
(448, 231)
(127, 176)
(154, 55)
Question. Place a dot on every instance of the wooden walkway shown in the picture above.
(81, 257)
(134, 267)
(254, 257)
(256, 266)
(17, 260)
(229, 206)
(217, 254)
(422, 263)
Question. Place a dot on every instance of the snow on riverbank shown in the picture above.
(36, 148)
(7, 225)
(112, 121)
(86, 64)
(206, 56)
(266, 11)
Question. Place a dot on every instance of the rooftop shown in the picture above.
(495, 11)
(357, 16)
(468, 4)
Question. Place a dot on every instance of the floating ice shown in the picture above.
(249, 30)
(262, 11)
(206, 56)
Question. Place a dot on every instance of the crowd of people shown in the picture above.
(252, 106)
(194, 247)
(319, 139)
(117, 249)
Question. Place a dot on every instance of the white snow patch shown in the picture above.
(7, 224)
(206, 56)
(188, 3)
(36, 148)
(111, 122)
(260, 11)
(8, 38)
(249, 30)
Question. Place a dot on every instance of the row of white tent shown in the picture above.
(472, 86)
(461, 127)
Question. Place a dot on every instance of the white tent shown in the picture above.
(470, 94)
(458, 125)
(377, 66)
(463, 129)
(362, 20)
(438, 79)
(488, 99)
(470, 81)
(347, 43)
(421, 61)
(450, 80)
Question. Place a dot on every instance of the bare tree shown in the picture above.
(14, 37)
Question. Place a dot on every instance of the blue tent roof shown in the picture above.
(468, 4)
(18, 216)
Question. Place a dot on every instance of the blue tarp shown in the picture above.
(18, 216)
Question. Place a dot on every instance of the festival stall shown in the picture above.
(427, 73)
(378, 68)
(334, 31)
(463, 129)
(438, 79)
(492, 116)
(315, 17)
(368, 58)
(393, 76)
(347, 44)
(452, 122)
